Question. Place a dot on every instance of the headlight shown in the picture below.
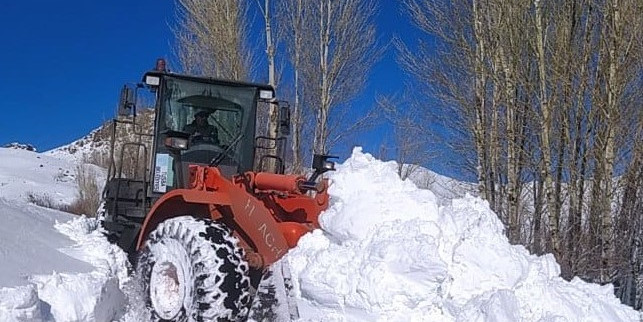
(266, 94)
(152, 80)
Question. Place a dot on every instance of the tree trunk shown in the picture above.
(545, 127)
(325, 9)
(513, 193)
(613, 94)
(538, 213)
(479, 106)
(273, 115)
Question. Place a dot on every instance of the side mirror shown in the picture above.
(126, 102)
(284, 119)
(321, 165)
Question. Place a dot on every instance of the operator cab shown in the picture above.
(202, 121)
(198, 121)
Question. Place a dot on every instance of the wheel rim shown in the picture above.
(168, 287)
(185, 277)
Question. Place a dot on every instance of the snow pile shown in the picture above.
(388, 252)
(91, 296)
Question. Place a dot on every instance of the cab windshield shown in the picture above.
(214, 117)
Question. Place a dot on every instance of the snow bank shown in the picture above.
(54, 266)
(48, 277)
(91, 296)
(20, 304)
(388, 252)
(29, 243)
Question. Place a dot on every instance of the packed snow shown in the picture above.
(388, 251)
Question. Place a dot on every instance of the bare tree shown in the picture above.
(330, 43)
(547, 94)
(273, 113)
(211, 38)
(347, 50)
(629, 225)
(297, 26)
(621, 53)
(412, 140)
(546, 127)
(448, 73)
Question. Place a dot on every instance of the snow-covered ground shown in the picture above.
(388, 251)
(24, 173)
(53, 265)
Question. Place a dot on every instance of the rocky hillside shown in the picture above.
(94, 148)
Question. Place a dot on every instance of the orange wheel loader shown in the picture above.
(203, 222)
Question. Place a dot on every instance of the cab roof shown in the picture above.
(209, 80)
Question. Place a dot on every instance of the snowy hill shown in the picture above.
(388, 251)
(26, 175)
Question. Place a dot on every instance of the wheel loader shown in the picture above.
(207, 216)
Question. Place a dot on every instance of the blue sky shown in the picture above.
(64, 62)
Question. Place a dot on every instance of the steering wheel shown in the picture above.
(203, 143)
(198, 138)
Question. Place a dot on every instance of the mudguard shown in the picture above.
(213, 196)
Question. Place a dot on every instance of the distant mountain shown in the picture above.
(20, 146)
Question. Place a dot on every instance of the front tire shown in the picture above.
(192, 269)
